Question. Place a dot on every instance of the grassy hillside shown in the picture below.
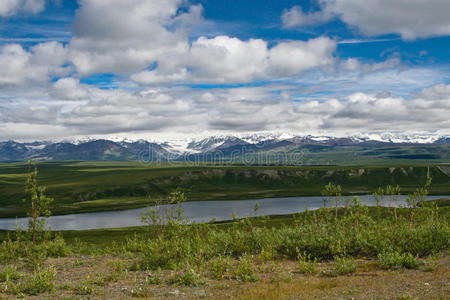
(96, 186)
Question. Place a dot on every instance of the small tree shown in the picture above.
(166, 213)
(392, 193)
(332, 192)
(35, 195)
(419, 196)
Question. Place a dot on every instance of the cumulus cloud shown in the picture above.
(11, 7)
(410, 19)
(223, 59)
(69, 89)
(148, 41)
(291, 58)
(127, 36)
(436, 92)
(371, 107)
(18, 66)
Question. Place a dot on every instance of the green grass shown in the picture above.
(98, 186)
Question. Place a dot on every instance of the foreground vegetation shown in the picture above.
(270, 256)
(98, 186)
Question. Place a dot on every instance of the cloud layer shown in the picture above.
(168, 82)
(76, 109)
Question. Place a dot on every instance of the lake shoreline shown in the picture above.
(197, 211)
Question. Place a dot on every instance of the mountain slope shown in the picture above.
(256, 149)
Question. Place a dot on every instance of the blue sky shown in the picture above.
(171, 69)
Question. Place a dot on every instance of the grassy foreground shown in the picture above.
(360, 253)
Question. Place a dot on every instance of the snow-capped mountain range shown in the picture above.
(117, 148)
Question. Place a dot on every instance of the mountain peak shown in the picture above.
(130, 149)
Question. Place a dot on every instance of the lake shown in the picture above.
(198, 211)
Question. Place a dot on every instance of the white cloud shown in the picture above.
(295, 17)
(370, 107)
(230, 60)
(291, 58)
(148, 42)
(410, 19)
(182, 110)
(350, 64)
(69, 89)
(18, 66)
(353, 64)
(127, 36)
(131, 36)
(11, 7)
(436, 92)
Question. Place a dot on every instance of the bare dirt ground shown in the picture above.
(102, 277)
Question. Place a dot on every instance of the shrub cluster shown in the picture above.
(314, 234)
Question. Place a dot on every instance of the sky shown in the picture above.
(172, 69)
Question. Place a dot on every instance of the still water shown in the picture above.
(198, 211)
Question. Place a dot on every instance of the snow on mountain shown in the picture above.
(126, 148)
(35, 147)
(320, 138)
(177, 146)
(402, 138)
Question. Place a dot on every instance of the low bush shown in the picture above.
(187, 277)
(40, 281)
(8, 273)
(395, 260)
(245, 270)
(306, 265)
(219, 266)
(342, 266)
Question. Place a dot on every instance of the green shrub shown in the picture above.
(342, 266)
(84, 288)
(158, 254)
(118, 270)
(40, 281)
(219, 266)
(432, 262)
(34, 254)
(8, 273)
(395, 260)
(306, 265)
(245, 270)
(9, 251)
(154, 277)
(56, 247)
(188, 278)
